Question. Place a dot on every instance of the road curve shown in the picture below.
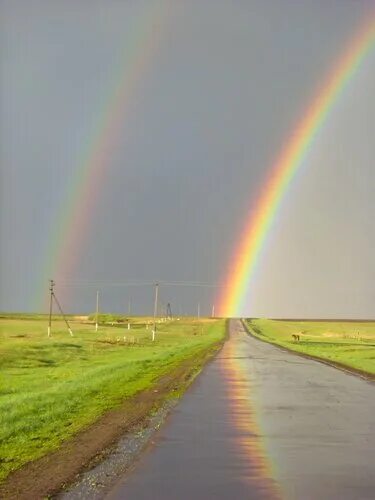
(262, 423)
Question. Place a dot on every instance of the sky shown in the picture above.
(223, 87)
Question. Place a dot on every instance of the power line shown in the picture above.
(97, 284)
(104, 284)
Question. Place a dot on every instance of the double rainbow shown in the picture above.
(75, 218)
(244, 262)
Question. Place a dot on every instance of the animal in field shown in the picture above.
(296, 337)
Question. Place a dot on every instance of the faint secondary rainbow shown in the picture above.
(245, 259)
(93, 166)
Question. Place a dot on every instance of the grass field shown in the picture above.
(349, 343)
(50, 388)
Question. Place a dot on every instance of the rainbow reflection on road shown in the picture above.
(249, 441)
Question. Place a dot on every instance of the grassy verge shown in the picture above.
(350, 344)
(52, 388)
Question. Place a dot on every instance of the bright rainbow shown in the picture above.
(245, 260)
(93, 166)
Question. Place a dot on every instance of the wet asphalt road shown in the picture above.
(262, 423)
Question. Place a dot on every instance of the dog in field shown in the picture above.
(296, 337)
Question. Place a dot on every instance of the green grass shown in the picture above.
(52, 388)
(349, 343)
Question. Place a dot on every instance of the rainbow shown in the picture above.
(73, 223)
(244, 262)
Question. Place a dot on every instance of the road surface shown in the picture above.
(261, 423)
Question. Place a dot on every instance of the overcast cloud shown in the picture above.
(220, 98)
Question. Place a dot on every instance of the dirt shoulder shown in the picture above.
(48, 475)
(335, 364)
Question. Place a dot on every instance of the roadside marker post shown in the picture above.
(97, 310)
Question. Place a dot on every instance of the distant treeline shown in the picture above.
(108, 318)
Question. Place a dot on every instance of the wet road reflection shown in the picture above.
(249, 442)
(260, 423)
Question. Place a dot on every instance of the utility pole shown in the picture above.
(51, 285)
(155, 309)
(97, 311)
(213, 311)
(169, 311)
(53, 297)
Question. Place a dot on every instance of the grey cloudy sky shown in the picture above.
(223, 91)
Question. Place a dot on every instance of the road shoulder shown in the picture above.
(48, 475)
(335, 364)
